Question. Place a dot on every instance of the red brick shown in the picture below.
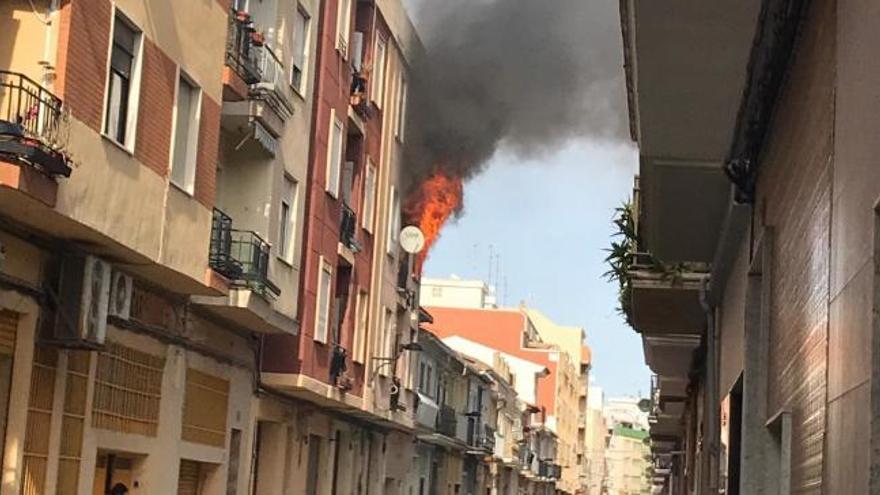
(206, 158)
(158, 80)
(83, 41)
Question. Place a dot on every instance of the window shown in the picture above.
(362, 309)
(186, 132)
(123, 83)
(393, 221)
(401, 109)
(322, 314)
(437, 291)
(334, 154)
(378, 86)
(300, 58)
(369, 207)
(343, 26)
(287, 220)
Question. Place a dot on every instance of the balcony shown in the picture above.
(241, 57)
(447, 421)
(31, 134)
(272, 85)
(348, 229)
(256, 101)
(241, 256)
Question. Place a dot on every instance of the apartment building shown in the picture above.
(596, 441)
(628, 466)
(130, 356)
(759, 180)
(193, 221)
(570, 340)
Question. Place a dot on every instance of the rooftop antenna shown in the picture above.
(504, 300)
(491, 257)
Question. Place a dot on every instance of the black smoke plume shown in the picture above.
(525, 75)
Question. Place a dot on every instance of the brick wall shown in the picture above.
(206, 158)
(794, 197)
(84, 35)
(158, 80)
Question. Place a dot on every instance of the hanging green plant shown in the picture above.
(620, 257)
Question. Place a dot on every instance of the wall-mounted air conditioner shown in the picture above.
(82, 302)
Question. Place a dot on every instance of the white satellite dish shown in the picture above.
(412, 240)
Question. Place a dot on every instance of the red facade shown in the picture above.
(302, 354)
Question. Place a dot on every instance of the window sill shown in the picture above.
(181, 189)
(124, 148)
(297, 92)
(284, 261)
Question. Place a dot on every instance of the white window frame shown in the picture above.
(343, 27)
(334, 170)
(402, 95)
(322, 302)
(370, 189)
(192, 143)
(362, 319)
(377, 88)
(393, 220)
(307, 36)
(134, 90)
(287, 234)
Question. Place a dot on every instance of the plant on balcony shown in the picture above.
(624, 257)
(620, 257)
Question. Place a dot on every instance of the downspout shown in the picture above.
(712, 401)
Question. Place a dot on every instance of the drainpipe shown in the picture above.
(712, 401)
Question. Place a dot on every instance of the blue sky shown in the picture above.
(549, 218)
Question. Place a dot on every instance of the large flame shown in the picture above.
(430, 206)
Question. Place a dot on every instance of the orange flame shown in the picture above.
(430, 207)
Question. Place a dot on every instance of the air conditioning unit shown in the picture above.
(120, 295)
(82, 302)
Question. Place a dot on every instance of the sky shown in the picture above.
(549, 219)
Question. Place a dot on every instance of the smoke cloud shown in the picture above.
(526, 75)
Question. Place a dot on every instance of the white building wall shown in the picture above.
(524, 372)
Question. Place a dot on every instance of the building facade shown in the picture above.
(765, 349)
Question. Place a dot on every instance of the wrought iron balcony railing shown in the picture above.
(447, 421)
(30, 123)
(348, 229)
(272, 84)
(241, 53)
(242, 256)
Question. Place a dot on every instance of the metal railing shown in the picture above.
(240, 49)
(487, 439)
(447, 421)
(271, 87)
(348, 228)
(240, 255)
(29, 105)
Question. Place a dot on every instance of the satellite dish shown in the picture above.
(645, 405)
(412, 240)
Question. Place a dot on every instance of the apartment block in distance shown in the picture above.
(465, 317)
